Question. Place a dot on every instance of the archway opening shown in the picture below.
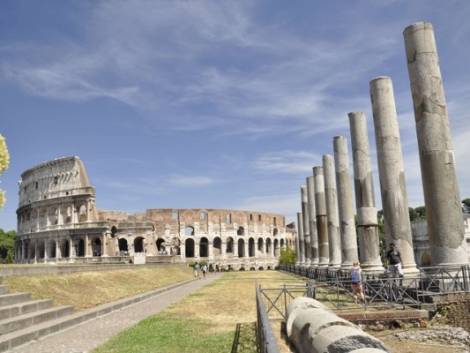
(96, 247)
(229, 249)
(81, 248)
(241, 231)
(203, 247)
(282, 243)
(161, 246)
(52, 248)
(275, 231)
(65, 248)
(241, 248)
(276, 247)
(123, 247)
(261, 245)
(217, 246)
(268, 246)
(138, 245)
(251, 247)
(189, 248)
(189, 230)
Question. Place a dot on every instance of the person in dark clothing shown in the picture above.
(394, 261)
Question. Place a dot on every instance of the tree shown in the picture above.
(466, 204)
(7, 246)
(412, 213)
(420, 211)
(287, 257)
(4, 163)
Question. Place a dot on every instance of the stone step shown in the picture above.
(14, 298)
(23, 321)
(24, 308)
(3, 289)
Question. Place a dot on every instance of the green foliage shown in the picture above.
(7, 245)
(412, 213)
(420, 211)
(287, 257)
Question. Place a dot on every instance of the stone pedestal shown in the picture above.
(313, 221)
(392, 172)
(345, 204)
(365, 200)
(334, 236)
(322, 219)
(436, 152)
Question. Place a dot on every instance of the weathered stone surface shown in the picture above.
(313, 220)
(334, 236)
(436, 152)
(306, 224)
(345, 203)
(392, 171)
(322, 219)
(300, 239)
(365, 199)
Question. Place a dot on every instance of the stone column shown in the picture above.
(235, 247)
(391, 171)
(334, 236)
(196, 247)
(300, 240)
(46, 250)
(72, 249)
(345, 203)
(36, 251)
(313, 221)
(104, 248)
(306, 224)
(365, 199)
(322, 219)
(58, 252)
(436, 151)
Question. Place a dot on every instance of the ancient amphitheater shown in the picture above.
(59, 222)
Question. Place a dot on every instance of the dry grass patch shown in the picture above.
(88, 289)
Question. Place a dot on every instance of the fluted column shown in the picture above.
(306, 224)
(300, 240)
(392, 171)
(436, 151)
(322, 219)
(345, 203)
(365, 199)
(334, 236)
(313, 221)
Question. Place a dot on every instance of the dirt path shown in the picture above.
(88, 335)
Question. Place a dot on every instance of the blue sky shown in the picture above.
(218, 104)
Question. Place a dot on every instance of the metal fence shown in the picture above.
(264, 333)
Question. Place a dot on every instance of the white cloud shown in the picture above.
(286, 162)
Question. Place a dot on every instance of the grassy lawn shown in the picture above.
(87, 289)
(203, 322)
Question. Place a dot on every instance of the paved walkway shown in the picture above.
(90, 334)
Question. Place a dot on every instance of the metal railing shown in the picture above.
(266, 340)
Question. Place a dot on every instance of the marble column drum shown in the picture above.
(300, 240)
(334, 236)
(365, 200)
(313, 221)
(306, 224)
(322, 219)
(345, 203)
(392, 171)
(436, 152)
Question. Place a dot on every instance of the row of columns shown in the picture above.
(327, 233)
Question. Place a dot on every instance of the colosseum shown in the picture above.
(59, 222)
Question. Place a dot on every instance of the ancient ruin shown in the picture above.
(58, 221)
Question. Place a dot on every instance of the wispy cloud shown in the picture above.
(190, 181)
(286, 162)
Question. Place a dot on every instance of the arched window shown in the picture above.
(203, 247)
(161, 245)
(251, 247)
(68, 214)
(276, 247)
(82, 214)
(52, 249)
(260, 245)
(189, 247)
(217, 246)
(123, 247)
(241, 248)
(268, 246)
(241, 231)
(96, 247)
(139, 245)
(189, 230)
(229, 248)
(275, 231)
(81, 248)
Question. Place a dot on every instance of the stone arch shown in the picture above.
(268, 246)
(217, 243)
(203, 247)
(123, 246)
(189, 230)
(241, 248)
(241, 231)
(276, 247)
(114, 231)
(261, 245)
(189, 247)
(229, 246)
(251, 247)
(65, 248)
(96, 247)
(160, 243)
(52, 249)
(139, 245)
(81, 248)
(282, 243)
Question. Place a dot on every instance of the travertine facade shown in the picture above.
(58, 221)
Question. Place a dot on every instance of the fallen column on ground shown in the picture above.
(312, 328)
(436, 152)
(313, 221)
(334, 236)
(345, 203)
(306, 224)
(322, 219)
(392, 171)
(365, 200)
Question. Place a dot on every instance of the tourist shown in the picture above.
(356, 282)
(196, 269)
(204, 270)
(394, 261)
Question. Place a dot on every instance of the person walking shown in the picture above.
(356, 282)
(196, 268)
(204, 270)
(394, 261)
